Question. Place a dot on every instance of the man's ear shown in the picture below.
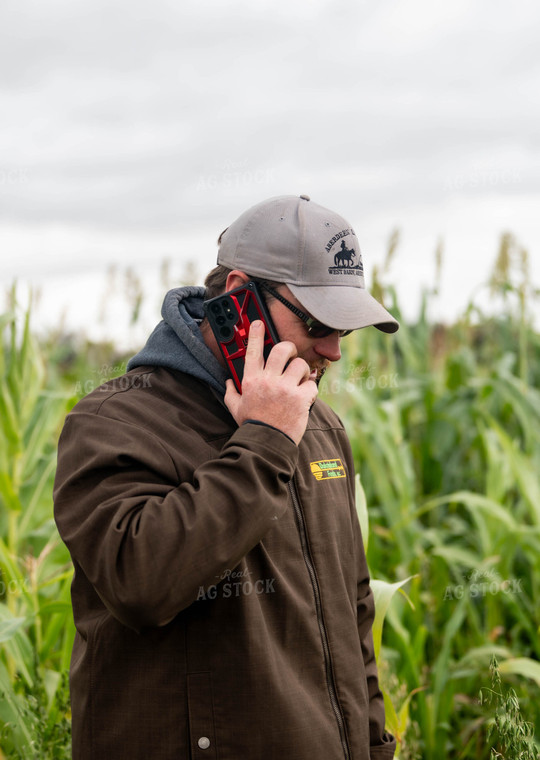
(236, 279)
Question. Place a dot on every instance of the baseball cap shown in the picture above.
(311, 249)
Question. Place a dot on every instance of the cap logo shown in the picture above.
(343, 257)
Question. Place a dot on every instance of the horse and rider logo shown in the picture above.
(344, 258)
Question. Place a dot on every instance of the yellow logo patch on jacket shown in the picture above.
(328, 468)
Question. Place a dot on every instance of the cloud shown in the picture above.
(164, 116)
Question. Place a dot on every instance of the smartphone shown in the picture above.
(230, 316)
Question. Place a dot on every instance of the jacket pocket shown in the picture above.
(202, 734)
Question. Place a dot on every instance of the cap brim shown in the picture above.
(344, 308)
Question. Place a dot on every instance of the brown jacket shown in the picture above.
(221, 594)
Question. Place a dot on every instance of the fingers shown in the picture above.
(297, 370)
(279, 394)
(279, 356)
(231, 391)
(277, 360)
(232, 397)
(254, 360)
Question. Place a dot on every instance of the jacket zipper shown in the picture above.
(301, 524)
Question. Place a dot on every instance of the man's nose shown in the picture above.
(328, 347)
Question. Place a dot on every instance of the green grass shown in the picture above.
(444, 423)
(36, 628)
(445, 428)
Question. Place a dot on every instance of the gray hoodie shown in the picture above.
(177, 342)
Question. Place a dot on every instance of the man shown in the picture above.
(221, 593)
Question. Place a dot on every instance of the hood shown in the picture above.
(177, 342)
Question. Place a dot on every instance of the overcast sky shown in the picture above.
(131, 133)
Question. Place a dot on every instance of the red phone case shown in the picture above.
(230, 316)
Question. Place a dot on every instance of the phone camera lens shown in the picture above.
(215, 308)
(220, 320)
(225, 332)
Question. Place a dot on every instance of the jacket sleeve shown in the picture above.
(146, 540)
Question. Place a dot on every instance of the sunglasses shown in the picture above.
(314, 328)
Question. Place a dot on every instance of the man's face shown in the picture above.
(317, 352)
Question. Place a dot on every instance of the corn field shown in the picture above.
(444, 421)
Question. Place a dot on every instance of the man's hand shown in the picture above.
(278, 394)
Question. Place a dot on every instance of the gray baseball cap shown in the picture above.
(314, 251)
